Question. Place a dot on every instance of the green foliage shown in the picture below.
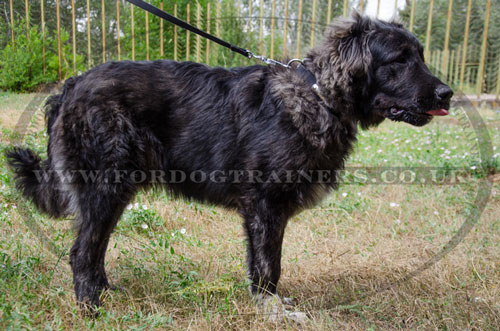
(22, 63)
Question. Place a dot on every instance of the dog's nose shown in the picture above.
(444, 92)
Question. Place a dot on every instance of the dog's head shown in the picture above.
(379, 68)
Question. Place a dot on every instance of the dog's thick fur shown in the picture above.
(165, 115)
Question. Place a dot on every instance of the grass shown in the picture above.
(181, 265)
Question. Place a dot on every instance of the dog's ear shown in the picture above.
(350, 36)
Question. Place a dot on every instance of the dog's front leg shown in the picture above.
(265, 229)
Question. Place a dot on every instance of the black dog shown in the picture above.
(258, 139)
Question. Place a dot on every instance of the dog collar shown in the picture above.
(310, 79)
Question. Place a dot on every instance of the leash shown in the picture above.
(174, 20)
(308, 76)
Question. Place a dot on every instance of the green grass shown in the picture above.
(179, 264)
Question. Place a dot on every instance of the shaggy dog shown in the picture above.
(257, 139)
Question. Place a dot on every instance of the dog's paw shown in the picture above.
(274, 309)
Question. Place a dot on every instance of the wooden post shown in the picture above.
(187, 33)
(344, 11)
(412, 15)
(446, 51)
(378, 7)
(162, 51)
(147, 35)
(103, 28)
(89, 54)
(285, 30)
(466, 40)
(175, 34)
(361, 6)
(456, 77)
(198, 37)
(261, 28)
(217, 19)
(249, 14)
(299, 30)
(329, 12)
(132, 28)
(273, 23)
(207, 51)
(429, 29)
(480, 73)
(58, 24)
(12, 21)
(118, 28)
(313, 23)
(73, 33)
(498, 81)
(27, 13)
(42, 14)
(450, 66)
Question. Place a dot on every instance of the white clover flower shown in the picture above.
(473, 167)
(436, 213)
(144, 226)
(398, 221)
(136, 205)
(183, 231)
(129, 206)
(344, 194)
(144, 207)
(394, 204)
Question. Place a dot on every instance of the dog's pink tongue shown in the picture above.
(438, 112)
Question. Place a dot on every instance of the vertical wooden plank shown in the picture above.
(466, 41)
(217, 19)
(238, 10)
(450, 66)
(446, 52)
(498, 81)
(361, 6)
(378, 8)
(27, 13)
(118, 30)
(250, 15)
(285, 30)
(175, 34)
(412, 15)
(103, 30)
(480, 73)
(329, 12)
(147, 35)
(187, 34)
(344, 11)
(73, 30)
(198, 37)
(457, 66)
(12, 21)
(429, 29)
(89, 40)
(162, 50)
(132, 32)
(58, 25)
(273, 24)
(313, 23)
(42, 20)
(299, 31)
(207, 51)
(261, 28)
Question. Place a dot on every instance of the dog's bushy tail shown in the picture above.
(34, 177)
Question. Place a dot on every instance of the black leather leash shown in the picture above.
(308, 76)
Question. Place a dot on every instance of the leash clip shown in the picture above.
(266, 60)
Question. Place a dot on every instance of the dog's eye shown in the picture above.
(401, 59)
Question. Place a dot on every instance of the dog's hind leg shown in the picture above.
(98, 214)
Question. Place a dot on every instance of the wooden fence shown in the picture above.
(270, 28)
